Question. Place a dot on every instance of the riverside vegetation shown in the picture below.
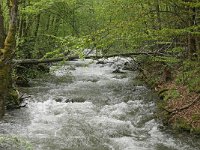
(163, 35)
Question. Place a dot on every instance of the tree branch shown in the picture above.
(175, 110)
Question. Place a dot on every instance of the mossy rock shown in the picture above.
(182, 124)
(43, 68)
(163, 116)
(22, 81)
(195, 130)
(13, 100)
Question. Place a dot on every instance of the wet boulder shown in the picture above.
(43, 68)
(75, 100)
(72, 67)
(120, 76)
(21, 81)
(118, 70)
(13, 101)
(101, 62)
(105, 62)
(70, 100)
(58, 99)
(131, 66)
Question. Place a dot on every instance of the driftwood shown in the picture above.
(70, 58)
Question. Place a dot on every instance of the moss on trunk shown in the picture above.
(2, 34)
(6, 54)
(3, 87)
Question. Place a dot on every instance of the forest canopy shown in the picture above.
(49, 27)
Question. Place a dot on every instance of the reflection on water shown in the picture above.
(84, 106)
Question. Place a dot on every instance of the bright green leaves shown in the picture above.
(192, 4)
(190, 75)
(37, 6)
(68, 44)
(110, 25)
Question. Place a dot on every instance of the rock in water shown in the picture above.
(22, 82)
(117, 70)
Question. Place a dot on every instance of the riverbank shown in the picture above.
(178, 86)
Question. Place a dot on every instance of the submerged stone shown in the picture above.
(75, 100)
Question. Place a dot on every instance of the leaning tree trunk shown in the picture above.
(6, 55)
(2, 75)
(2, 33)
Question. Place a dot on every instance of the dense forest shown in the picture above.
(163, 36)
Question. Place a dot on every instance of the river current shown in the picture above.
(83, 105)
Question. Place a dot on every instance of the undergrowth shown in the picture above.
(178, 85)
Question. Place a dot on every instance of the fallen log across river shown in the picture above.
(70, 58)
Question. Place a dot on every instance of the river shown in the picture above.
(83, 105)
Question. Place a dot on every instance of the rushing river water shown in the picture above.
(85, 106)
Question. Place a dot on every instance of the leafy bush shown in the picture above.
(190, 75)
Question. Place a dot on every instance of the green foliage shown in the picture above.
(25, 47)
(117, 26)
(48, 46)
(182, 124)
(14, 143)
(189, 75)
(176, 50)
(67, 44)
(54, 54)
(52, 28)
(170, 94)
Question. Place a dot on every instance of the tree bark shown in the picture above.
(56, 25)
(48, 22)
(158, 14)
(6, 55)
(2, 31)
(3, 87)
(191, 39)
(22, 21)
(2, 67)
(37, 25)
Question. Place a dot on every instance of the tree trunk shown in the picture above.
(158, 15)
(22, 21)
(37, 25)
(6, 55)
(191, 39)
(48, 23)
(2, 33)
(3, 76)
(4, 86)
(56, 25)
